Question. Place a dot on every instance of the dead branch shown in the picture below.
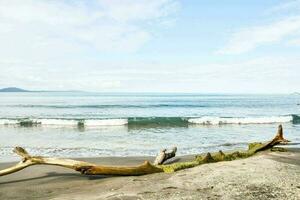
(28, 160)
(164, 156)
(278, 139)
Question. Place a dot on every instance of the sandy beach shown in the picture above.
(149, 100)
(271, 175)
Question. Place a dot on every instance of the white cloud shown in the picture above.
(250, 38)
(48, 44)
(278, 31)
(284, 6)
(57, 27)
(139, 10)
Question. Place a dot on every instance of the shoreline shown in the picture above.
(265, 174)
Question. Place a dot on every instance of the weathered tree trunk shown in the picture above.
(146, 168)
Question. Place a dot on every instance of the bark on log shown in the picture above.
(145, 168)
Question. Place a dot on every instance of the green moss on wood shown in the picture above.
(215, 157)
(254, 145)
(278, 149)
(178, 166)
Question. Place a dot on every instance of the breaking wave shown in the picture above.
(64, 122)
(109, 106)
(245, 120)
(152, 121)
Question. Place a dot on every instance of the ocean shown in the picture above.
(82, 124)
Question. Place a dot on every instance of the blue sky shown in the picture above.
(229, 46)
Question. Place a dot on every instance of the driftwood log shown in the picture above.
(146, 168)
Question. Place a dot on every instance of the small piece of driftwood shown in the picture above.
(163, 156)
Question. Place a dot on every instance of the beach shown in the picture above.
(267, 175)
(149, 100)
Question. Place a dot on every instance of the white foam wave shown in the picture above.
(56, 122)
(105, 122)
(66, 122)
(246, 120)
(8, 121)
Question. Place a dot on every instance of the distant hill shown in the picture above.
(13, 89)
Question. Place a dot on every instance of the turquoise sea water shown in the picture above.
(82, 124)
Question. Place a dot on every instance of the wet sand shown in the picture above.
(272, 175)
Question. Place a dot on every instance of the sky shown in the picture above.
(202, 46)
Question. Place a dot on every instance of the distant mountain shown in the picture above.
(13, 89)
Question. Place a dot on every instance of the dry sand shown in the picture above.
(265, 176)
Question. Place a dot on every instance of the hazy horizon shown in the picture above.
(154, 92)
